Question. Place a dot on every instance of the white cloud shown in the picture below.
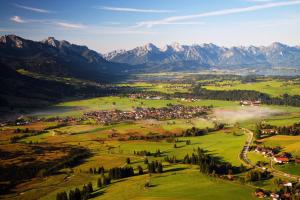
(39, 10)
(62, 24)
(17, 19)
(218, 13)
(70, 25)
(122, 9)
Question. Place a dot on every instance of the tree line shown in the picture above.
(77, 194)
(238, 95)
(293, 129)
(147, 153)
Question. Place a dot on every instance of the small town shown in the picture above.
(164, 113)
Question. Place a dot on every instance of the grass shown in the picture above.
(185, 184)
(222, 144)
(272, 87)
(254, 157)
(291, 168)
(166, 88)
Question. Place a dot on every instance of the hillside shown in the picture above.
(59, 58)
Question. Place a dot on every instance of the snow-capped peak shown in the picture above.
(51, 41)
(177, 47)
(150, 47)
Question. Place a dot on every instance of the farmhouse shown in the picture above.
(274, 196)
(260, 194)
(250, 103)
(281, 160)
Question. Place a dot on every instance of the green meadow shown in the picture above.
(178, 181)
(272, 87)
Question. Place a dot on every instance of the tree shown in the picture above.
(77, 194)
(159, 168)
(99, 182)
(90, 187)
(72, 195)
(84, 193)
(146, 161)
(61, 196)
(140, 169)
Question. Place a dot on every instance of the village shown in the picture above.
(164, 113)
(275, 155)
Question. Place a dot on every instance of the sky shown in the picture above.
(106, 25)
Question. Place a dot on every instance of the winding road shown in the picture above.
(244, 158)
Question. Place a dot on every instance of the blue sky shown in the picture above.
(105, 25)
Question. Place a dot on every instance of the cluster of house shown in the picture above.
(278, 158)
(170, 112)
(286, 195)
(269, 131)
(145, 96)
(189, 99)
(250, 103)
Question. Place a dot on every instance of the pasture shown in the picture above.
(273, 87)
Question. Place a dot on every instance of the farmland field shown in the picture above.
(271, 87)
(218, 132)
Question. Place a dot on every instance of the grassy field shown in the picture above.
(167, 88)
(291, 168)
(179, 181)
(185, 184)
(271, 87)
(225, 144)
(255, 157)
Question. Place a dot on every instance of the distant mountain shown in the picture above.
(54, 57)
(178, 57)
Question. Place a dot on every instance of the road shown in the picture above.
(244, 158)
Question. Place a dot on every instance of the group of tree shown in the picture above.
(94, 170)
(172, 159)
(209, 164)
(155, 167)
(77, 194)
(26, 133)
(103, 181)
(194, 132)
(147, 153)
(27, 170)
(256, 175)
(121, 172)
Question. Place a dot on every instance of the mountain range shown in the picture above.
(39, 73)
(43, 72)
(178, 57)
(59, 58)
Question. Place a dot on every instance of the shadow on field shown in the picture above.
(176, 169)
(97, 193)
